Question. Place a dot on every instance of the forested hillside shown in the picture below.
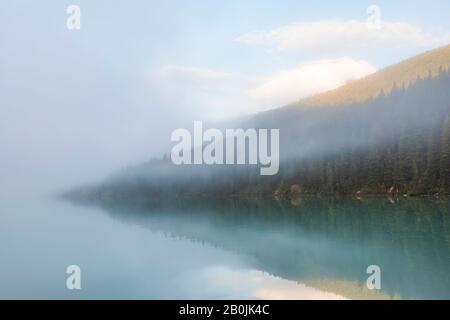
(396, 143)
(400, 143)
(405, 72)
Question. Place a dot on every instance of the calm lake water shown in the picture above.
(305, 249)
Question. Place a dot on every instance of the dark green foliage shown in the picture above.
(397, 143)
(445, 156)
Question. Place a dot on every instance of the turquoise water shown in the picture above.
(188, 249)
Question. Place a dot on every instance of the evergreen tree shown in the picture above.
(445, 156)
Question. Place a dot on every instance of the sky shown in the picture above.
(76, 105)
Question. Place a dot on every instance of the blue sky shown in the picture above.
(203, 32)
(109, 94)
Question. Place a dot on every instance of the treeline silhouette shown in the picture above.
(396, 143)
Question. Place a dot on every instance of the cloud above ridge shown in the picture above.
(308, 79)
(217, 94)
(337, 35)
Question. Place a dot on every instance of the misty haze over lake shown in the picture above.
(86, 178)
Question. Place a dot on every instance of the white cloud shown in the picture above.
(204, 93)
(307, 79)
(335, 35)
(212, 94)
(216, 94)
(191, 73)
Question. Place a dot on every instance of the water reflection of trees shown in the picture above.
(317, 239)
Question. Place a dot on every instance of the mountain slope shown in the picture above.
(403, 73)
(396, 143)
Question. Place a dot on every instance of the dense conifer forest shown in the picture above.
(399, 143)
(396, 144)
